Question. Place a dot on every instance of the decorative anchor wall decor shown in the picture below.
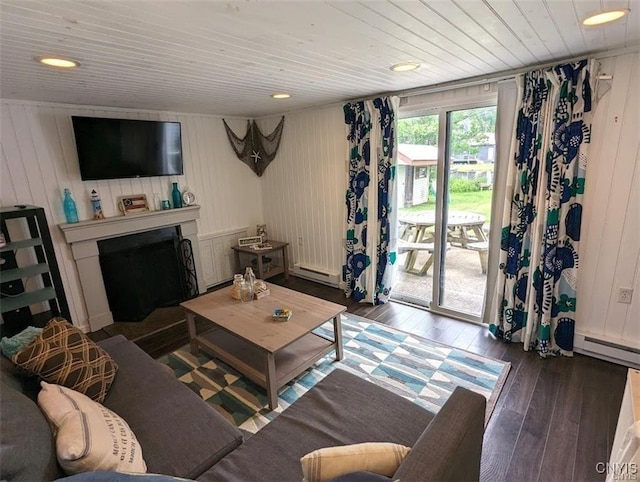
(255, 149)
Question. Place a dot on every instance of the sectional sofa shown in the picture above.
(182, 435)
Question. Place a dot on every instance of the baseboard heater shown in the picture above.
(317, 274)
(608, 350)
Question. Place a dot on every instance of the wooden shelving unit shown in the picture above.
(16, 298)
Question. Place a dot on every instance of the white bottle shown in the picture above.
(156, 202)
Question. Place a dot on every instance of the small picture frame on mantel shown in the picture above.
(133, 204)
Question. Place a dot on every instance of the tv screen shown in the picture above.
(120, 148)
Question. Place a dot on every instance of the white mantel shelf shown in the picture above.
(83, 237)
(131, 224)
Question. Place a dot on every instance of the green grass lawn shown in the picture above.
(478, 202)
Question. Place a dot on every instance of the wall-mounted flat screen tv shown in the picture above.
(121, 148)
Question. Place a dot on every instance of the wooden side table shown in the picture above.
(276, 246)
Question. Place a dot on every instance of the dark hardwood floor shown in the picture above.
(555, 418)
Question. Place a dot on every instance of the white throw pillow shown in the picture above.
(89, 436)
(328, 463)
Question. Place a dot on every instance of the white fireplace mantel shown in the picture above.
(84, 236)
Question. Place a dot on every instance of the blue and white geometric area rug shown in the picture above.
(420, 370)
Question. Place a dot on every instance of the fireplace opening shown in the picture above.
(142, 272)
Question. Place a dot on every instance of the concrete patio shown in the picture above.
(464, 281)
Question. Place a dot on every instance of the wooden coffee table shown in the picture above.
(269, 352)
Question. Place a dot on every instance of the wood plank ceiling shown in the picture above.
(228, 57)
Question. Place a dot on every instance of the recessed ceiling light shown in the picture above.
(405, 66)
(604, 17)
(281, 95)
(62, 62)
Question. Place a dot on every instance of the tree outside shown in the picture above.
(471, 130)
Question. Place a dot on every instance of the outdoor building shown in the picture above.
(413, 173)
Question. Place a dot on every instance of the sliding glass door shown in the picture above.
(445, 180)
(416, 173)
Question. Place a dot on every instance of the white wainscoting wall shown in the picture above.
(38, 160)
(610, 246)
(304, 187)
(218, 260)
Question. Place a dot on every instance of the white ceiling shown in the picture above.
(227, 58)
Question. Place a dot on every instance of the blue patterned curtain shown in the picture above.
(368, 272)
(541, 224)
(358, 121)
(387, 225)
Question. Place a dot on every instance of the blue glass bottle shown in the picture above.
(69, 205)
(177, 196)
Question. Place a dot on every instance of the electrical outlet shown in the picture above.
(300, 241)
(625, 295)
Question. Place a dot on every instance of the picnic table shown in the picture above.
(417, 230)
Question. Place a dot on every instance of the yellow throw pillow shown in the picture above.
(63, 355)
(88, 435)
(328, 463)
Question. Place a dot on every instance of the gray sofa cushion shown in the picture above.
(18, 379)
(105, 476)
(27, 447)
(180, 434)
(341, 409)
(450, 448)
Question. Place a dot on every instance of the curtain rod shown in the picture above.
(471, 81)
(499, 76)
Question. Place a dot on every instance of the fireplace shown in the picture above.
(87, 240)
(141, 272)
